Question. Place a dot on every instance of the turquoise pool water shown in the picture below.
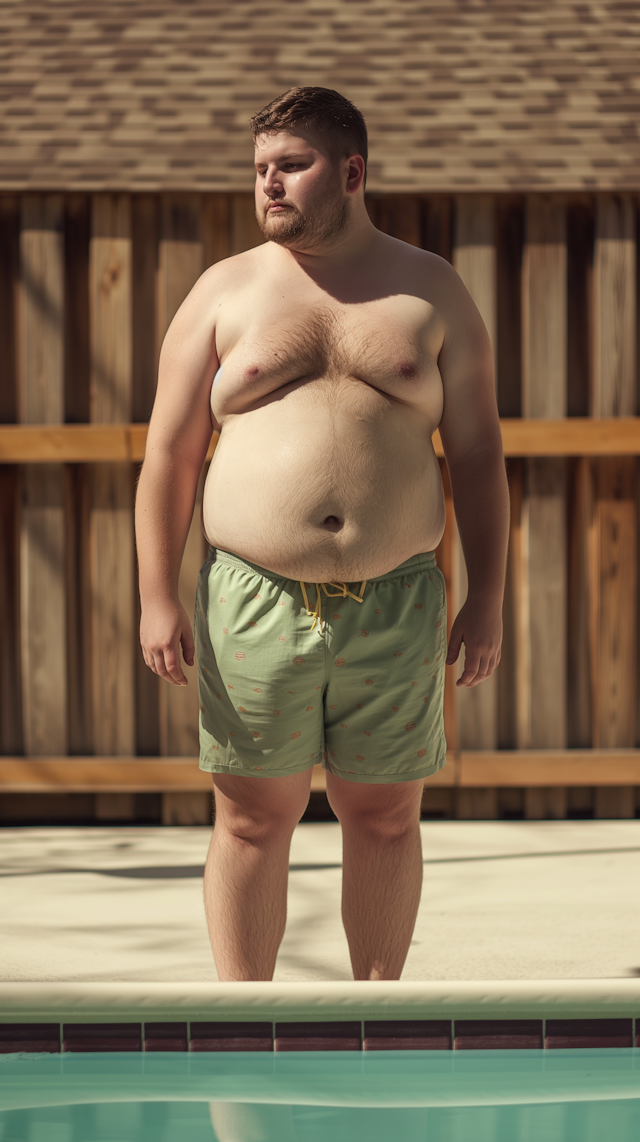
(399, 1096)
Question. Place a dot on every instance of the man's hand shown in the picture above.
(479, 626)
(163, 627)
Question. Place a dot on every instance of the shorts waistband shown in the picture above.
(417, 562)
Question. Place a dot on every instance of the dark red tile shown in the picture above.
(102, 1037)
(35, 1038)
(165, 1037)
(318, 1037)
(231, 1037)
(588, 1033)
(407, 1035)
(497, 1034)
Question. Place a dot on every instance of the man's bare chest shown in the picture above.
(390, 344)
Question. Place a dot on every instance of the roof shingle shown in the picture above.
(457, 94)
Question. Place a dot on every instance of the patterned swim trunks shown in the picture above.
(359, 689)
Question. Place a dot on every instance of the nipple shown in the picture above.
(332, 523)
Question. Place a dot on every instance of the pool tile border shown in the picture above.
(321, 1035)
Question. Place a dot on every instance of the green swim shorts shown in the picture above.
(359, 689)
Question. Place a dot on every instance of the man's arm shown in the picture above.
(179, 434)
(472, 442)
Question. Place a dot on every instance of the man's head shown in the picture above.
(311, 154)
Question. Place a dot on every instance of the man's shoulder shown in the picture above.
(424, 267)
(234, 270)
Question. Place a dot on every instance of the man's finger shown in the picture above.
(455, 642)
(471, 664)
(188, 647)
(173, 667)
(161, 667)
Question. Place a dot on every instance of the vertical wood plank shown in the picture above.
(546, 490)
(474, 254)
(438, 225)
(579, 709)
(614, 560)
(544, 394)
(614, 316)
(111, 526)
(474, 257)
(9, 284)
(145, 218)
(507, 670)
(112, 609)
(77, 362)
(181, 263)
(41, 401)
(145, 247)
(42, 610)
(510, 241)
(79, 617)
(544, 316)
(245, 232)
(10, 687)
(11, 739)
(145, 238)
(111, 337)
(615, 686)
(77, 221)
(401, 216)
(216, 225)
(580, 247)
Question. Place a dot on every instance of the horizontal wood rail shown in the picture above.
(89, 443)
(465, 769)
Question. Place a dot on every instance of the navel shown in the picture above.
(332, 523)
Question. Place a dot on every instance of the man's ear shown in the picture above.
(355, 173)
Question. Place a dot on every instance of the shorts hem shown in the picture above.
(388, 778)
(241, 771)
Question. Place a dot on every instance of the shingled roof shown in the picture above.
(457, 94)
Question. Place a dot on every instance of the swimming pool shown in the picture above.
(468, 1087)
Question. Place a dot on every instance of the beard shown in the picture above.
(301, 231)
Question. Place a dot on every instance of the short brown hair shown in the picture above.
(323, 112)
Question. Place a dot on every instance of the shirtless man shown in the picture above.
(325, 358)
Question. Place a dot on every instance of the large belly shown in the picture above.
(325, 490)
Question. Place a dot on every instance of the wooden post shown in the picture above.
(181, 263)
(474, 257)
(41, 401)
(544, 384)
(614, 600)
(111, 524)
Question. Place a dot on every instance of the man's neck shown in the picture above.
(349, 250)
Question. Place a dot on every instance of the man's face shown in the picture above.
(301, 201)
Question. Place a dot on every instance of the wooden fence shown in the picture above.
(88, 286)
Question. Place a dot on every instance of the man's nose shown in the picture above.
(272, 183)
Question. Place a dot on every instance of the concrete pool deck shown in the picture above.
(508, 900)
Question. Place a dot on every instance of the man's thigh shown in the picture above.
(384, 703)
(260, 675)
(274, 801)
(387, 807)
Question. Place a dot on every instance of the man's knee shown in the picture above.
(254, 810)
(387, 812)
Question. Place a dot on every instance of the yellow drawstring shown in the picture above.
(342, 592)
